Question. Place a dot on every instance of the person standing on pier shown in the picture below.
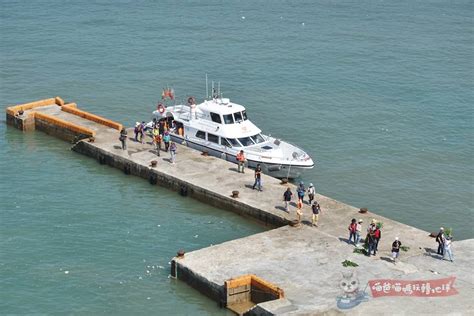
(123, 138)
(240, 161)
(173, 152)
(396, 249)
(377, 236)
(352, 230)
(358, 232)
(141, 132)
(166, 140)
(287, 198)
(157, 140)
(311, 193)
(447, 248)
(258, 178)
(299, 211)
(440, 238)
(136, 130)
(316, 209)
(301, 191)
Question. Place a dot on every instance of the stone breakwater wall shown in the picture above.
(157, 177)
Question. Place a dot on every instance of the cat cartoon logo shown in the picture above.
(352, 295)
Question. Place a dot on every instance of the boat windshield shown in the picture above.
(246, 141)
(244, 115)
(258, 139)
(238, 117)
(228, 119)
(234, 142)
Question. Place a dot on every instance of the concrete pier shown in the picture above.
(300, 267)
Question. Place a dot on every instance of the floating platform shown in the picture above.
(286, 270)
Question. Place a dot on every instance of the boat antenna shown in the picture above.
(206, 96)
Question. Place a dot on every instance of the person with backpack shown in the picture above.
(311, 193)
(287, 198)
(173, 149)
(258, 178)
(352, 231)
(316, 209)
(396, 249)
(301, 191)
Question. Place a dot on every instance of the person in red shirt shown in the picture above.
(240, 161)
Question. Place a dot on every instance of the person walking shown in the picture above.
(240, 162)
(258, 178)
(311, 193)
(173, 152)
(166, 140)
(440, 238)
(396, 249)
(301, 191)
(123, 138)
(447, 248)
(299, 211)
(157, 140)
(287, 198)
(316, 209)
(358, 232)
(352, 230)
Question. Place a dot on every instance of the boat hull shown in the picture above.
(272, 169)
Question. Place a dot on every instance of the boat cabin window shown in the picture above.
(238, 117)
(225, 142)
(216, 118)
(201, 134)
(244, 115)
(234, 142)
(228, 119)
(213, 138)
(246, 141)
(257, 139)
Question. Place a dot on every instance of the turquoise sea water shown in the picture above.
(380, 93)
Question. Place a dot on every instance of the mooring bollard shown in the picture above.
(235, 194)
(153, 163)
(363, 210)
(180, 254)
(284, 181)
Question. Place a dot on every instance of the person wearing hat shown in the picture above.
(396, 249)
(440, 239)
(311, 193)
(137, 130)
(358, 232)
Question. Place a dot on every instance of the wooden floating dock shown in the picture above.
(287, 270)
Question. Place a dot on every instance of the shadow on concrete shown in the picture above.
(234, 169)
(388, 259)
(347, 241)
(281, 208)
(118, 147)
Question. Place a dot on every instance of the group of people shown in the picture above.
(444, 244)
(301, 191)
(160, 133)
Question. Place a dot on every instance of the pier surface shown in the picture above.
(305, 261)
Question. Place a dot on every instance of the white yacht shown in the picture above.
(222, 129)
